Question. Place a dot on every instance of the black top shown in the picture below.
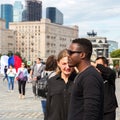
(109, 76)
(58, 97)
(87, 96)
(5, 70)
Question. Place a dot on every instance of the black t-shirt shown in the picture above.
(87, 96)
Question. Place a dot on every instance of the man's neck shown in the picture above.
(83, 66)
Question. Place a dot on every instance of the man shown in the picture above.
(87, 95)
(109, 76)
(35, 74)
(5, 73)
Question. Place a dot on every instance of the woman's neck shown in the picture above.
(65, 77)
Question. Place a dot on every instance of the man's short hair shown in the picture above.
(39, 59)
(85, 45)
(104, 59)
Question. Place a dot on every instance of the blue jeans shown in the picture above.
(43, 103)
(10, 83)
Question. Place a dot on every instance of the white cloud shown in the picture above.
(101, 15)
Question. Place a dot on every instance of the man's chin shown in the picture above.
(71, 65)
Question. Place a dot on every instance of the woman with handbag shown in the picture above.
(22, 77)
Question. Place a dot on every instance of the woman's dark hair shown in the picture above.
(51, 63)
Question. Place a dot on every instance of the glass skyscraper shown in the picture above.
(6, 13)
(33, 10)
(17, 11)
(54, 15)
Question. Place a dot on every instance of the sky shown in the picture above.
(102, 16)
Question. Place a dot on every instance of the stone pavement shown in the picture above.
(13, 108)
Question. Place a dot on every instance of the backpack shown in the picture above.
(42, 85)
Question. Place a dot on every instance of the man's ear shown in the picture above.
(82, 55)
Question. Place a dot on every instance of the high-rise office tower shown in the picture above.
(54, 15)
(6, 13)
(33, 10)
(17, 11)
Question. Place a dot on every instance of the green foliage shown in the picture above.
(10, 54)
(0, 55)
(23, 59)
(115, 54)
(18, 54)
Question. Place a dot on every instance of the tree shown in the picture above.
(115, 54)
(0, 55)
(18, 54)
(9, 54)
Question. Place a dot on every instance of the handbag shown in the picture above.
(21, 77)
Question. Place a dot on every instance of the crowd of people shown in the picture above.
(76, 89)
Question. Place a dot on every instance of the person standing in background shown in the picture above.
(11, 72)
(35, 75)
(109, 76)
(50, 71)
(87, 94)
(5, 73)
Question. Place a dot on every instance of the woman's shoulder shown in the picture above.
(54, 78)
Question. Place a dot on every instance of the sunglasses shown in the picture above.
(70, 52)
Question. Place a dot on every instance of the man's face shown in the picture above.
(74, 55)
(37, 61)
(99, 61)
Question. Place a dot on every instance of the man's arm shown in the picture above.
(107, 73)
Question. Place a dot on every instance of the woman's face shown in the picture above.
(22, 65)
(63, 65)
(10, 67)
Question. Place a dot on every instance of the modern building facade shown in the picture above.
(54, 15)
(17, 11)
(42, 38)
(6, 13)
(33, 10)
(7, 39)
(113, 45)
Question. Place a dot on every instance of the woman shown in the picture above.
(59, 89)
(11, 72)
(22, 76)
(50, 71)
(51, 66)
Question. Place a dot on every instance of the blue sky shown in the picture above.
(102, 16)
